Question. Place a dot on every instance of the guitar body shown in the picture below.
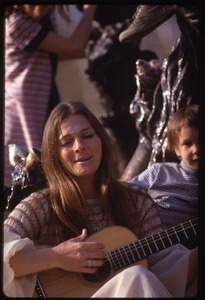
(58, 283)
(123, 249)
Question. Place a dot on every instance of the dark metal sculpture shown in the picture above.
(111, 66)
(147, 76)
(27, 176)
(178, 86)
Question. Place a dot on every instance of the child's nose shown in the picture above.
(195, 148)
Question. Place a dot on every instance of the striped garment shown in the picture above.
(29, 78)
(32, 218)
(174, 187)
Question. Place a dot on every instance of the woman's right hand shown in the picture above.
(72, 255)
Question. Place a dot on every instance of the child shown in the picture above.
(174, 186)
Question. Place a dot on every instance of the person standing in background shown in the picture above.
(32, 50)
(71, 79)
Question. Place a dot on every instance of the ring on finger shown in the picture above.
(89, 263)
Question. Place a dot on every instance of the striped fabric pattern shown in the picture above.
(31, 218)
(28, 77)
(174, 187)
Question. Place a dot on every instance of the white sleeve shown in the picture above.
(20, 287)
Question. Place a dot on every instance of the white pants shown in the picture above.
(166, 277)
(133, 282)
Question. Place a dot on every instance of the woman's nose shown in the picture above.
(78, 145)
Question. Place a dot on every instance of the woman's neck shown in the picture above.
(86, 185)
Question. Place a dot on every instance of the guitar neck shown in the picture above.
(143, 248)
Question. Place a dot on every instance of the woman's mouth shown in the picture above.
(83, 159)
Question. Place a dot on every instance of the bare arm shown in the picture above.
(74, 46)
(70, 255)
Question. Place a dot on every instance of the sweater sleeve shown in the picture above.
(23, 286)
(30, 216)
(23, 225)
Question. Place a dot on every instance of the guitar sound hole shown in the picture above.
(101, 274)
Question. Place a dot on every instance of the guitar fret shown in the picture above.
(121, 258)
(154, 243)
(118, 259)
(161, 241)
(112, 260)
(176, 235)
(126, 255)
(193, 228)
(170, 241)
(131, 252)
(139, 256)
(150, 250)
(184, 231)
(142, 248)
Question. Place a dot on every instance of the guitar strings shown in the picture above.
(126, 255)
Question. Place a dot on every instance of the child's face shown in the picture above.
(36, 12)
(188, 147)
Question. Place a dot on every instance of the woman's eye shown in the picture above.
(66, 143)
(88, 135)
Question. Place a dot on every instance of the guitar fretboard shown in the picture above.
(136, 251)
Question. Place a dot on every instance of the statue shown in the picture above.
(27, 176)
(178, 82)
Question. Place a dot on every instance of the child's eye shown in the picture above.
(187, 143)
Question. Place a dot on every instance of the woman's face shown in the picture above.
(36, 12)
(80, 147)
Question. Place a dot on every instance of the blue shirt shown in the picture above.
(174, 187)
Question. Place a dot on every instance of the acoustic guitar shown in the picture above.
(123, 250)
